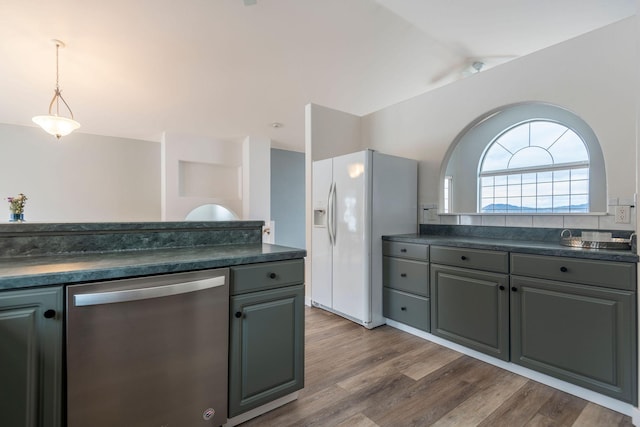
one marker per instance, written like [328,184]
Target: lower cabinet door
[31,357]
[581,334]
[266,349]
[471,308]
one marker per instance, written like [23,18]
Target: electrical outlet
[623,214]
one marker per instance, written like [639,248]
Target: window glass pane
[545,203]
[487,180]
[580,203]
[544,134]
[561,203]
[580,187]
[496,158]
[514,179]
[501,180]
[513,204]
[569,148]
[582,173]
[500,201]
[515,139]
[545,176]
[487,205]
[561,188]
[487,192]
[529,190]
[514,190]
[545,189]
[528,178]
[562,175]
[529,204]
[530,156]
[500,191]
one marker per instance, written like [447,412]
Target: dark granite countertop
[34,271]
[520,246]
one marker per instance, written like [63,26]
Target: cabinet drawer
[618,275]
[406,250]
[268,275]
[471,258]
[405,308]
[406,275]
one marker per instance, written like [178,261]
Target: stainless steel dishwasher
[148,351]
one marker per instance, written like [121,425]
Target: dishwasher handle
[99,298]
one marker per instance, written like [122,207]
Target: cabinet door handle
[49,314]
[564,269]
[403,308]
[272,275]
[403,274]
[501,288]
[238,314]
[514,289]
[464,258]
[403,250]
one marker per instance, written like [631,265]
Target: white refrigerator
[357,198]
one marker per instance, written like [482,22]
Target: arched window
[526,158]
[538,166]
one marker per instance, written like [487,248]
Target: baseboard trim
[590,395]
[635,417]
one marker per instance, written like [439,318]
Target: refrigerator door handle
[333,214]
[330,214]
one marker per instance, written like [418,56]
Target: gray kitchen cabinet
[31,357]
[266,341]
[405,280]
[580,333]
[471,307]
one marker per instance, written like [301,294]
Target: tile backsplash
[576,221]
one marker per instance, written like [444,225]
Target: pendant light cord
[58,95]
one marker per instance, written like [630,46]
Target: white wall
[256,162]
[198,171]
[79,178]
[593,75]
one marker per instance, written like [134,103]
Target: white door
[351,250]
[321,268]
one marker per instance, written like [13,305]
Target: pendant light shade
[53,123]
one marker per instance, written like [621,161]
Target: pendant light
[55,124]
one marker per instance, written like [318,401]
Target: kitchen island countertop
[35,255]
[33,271]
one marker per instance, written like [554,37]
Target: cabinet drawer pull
[403,308]
[238,314]
[501,288]
[403,274]
[403,250]
[464,258]
[514,289]
[272,275]
[49,314]
[564,269]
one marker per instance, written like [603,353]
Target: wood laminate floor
[386,377]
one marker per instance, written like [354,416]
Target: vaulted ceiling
[221,69]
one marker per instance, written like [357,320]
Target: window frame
[462,160]
[540,168]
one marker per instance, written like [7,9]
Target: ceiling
[218,68]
